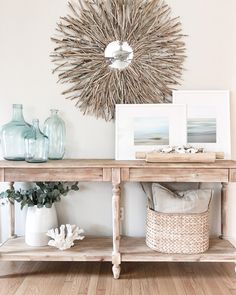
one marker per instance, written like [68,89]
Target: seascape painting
[151,131]
[201,130]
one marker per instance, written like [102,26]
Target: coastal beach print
[151,131]
[201,130]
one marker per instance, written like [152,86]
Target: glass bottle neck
[35,125]
[17,113]
[54,112]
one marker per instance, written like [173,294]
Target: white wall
[25,77]
[231,205]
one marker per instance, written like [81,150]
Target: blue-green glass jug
[54,129]
[12,135]
[36,145]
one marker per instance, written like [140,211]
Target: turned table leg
[116,196]
[224,191]
[11,216]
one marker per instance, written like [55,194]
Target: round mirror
[118,54]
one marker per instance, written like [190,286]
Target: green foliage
[43,194]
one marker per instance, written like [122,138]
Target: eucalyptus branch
[43,194]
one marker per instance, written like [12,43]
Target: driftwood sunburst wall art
[118,52]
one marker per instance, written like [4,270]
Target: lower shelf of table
[100,249]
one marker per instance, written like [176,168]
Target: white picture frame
[208,119]
[146,127]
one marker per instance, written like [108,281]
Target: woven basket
[177,233]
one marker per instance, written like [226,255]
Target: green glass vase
[54,129]
[36,145]
[12,135]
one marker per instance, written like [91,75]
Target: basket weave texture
[177,233]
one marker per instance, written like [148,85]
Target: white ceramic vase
[38,222]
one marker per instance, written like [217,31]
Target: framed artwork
[146,127]
[208,119]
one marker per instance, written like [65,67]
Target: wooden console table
[115,249]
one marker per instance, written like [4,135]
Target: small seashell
[201,150]
[180,151]
[192,151]
[167,149]
[188,146]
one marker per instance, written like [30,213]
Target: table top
[110,163]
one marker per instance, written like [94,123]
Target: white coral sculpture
[65,238]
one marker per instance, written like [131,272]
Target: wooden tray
[155,157]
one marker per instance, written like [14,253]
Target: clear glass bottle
[54,128]
[12,135]
[36,145]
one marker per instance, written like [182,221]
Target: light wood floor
[70,278]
